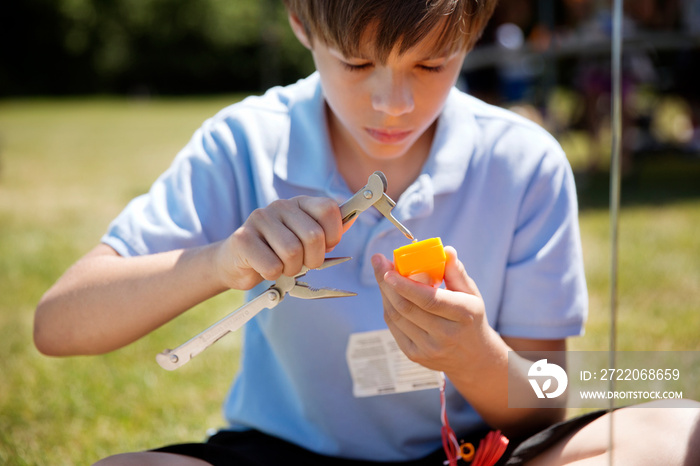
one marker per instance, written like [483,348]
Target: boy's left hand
[441,329]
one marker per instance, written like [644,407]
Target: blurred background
[548,58]
[551,60]
[147,47]
[97,96]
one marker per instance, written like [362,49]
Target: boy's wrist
[491,364]
[221,277]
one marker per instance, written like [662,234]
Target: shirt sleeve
[191,204]
[545,292]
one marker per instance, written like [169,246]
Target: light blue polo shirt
[495,186]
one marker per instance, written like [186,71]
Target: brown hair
[397,24]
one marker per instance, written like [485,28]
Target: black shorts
[253,448]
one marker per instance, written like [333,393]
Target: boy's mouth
[388,136]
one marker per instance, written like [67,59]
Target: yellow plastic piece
[422,261]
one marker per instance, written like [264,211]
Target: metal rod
[615,176]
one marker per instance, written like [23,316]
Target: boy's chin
[387,152]
[387,156]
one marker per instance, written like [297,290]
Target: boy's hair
[399,24]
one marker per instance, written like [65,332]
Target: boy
[255,195]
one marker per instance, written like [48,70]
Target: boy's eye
[356,67]
[432,69]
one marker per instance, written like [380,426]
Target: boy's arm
[446,330]
[489,390]
[106,301]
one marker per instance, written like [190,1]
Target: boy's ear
[299,30]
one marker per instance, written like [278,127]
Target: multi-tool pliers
[372,194]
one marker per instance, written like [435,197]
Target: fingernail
[390,278]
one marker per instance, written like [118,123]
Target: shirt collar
[453,145]
[307,159]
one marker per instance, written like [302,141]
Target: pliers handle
[372,194]
[173,359]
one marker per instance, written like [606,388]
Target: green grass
[67,167]
[658,278]
[658,295]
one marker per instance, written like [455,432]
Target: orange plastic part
[423,261]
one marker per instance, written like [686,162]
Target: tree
[147,46]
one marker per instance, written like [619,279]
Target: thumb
[381,266]
[456,277]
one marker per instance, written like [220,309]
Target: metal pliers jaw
[299,289]
[373,194]
[172,359]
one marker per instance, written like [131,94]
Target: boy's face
[383,109]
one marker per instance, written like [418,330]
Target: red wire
[491,447]
[449,439]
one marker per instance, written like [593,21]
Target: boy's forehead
[429,47]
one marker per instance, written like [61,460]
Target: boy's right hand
[278,240]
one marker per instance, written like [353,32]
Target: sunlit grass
[658,278]
[67,167]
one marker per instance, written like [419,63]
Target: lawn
[67,167]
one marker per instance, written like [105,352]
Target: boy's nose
[392,93]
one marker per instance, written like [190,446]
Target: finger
[326,213]
[382,266]
[399,310]
[410,336]
[279,238]
[390,299]
[310,234]
[258,255]
[432,301]
[266,261]
[456,277]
